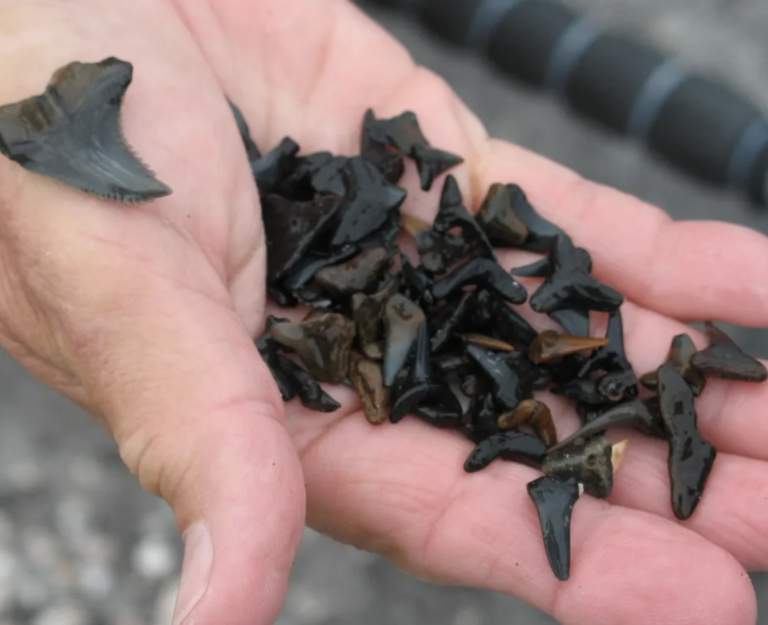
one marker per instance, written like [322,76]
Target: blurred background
[82,544]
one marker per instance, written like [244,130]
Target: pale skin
[145,316]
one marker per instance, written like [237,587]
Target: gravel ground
[82,544]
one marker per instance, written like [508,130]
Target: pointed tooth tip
[617,454]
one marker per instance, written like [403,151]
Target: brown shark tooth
[488,342]
[535,413]
[368,381]
[360,274]
[368,313]
[551,346]
[323,343]
[724,359]
[71,133]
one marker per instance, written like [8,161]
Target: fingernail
[195,571]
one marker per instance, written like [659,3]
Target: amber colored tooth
[535,413]
[414,225]
[487,341]
[617,454]
[551,345]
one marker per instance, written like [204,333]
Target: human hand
[145,316]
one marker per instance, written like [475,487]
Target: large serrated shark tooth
[71,133]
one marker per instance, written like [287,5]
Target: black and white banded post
[695,123]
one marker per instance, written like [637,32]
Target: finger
[731,512]
[688,270]
[401,490]
[136,314]
[198,420]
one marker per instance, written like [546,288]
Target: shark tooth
[72,133]
[554,500]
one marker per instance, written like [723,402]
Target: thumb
[196,417]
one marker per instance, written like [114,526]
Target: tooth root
[617,454]
[550,345]
[71,133]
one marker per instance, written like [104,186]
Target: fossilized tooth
[251,150]
[570,286]
[481,272]
[401,132]
[389,162]
[358,275]
[611,357]
[497,217]
[457,319]
[368,381]
[384,236]
[488,342]
[551,346]
[509,326]
[725,359]
[507,446]
[573,321]
[540,231]
[565,370]
[532,377]
[453,214]
[583,391]
[368,313]
[270,170]
[290,228]
[402,320]
[690,456]
[628,414]
[589,412]
[543,268]
[483,418]
[323,344]
[305,269]
[369,203]
[590,464]
[420,389]
[472,385]
[417,284]
[486,306]
[507,387]
[679,356]
[268,352]
[618,385]
[433,163]
[452,363]
[404,134]
[308,389]
[438,252]
[537,415]
[72,133]
[554,500]
[320,173]
[657,429]
[438,417]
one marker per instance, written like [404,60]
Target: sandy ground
[82,544]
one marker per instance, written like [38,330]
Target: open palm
[145,316]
